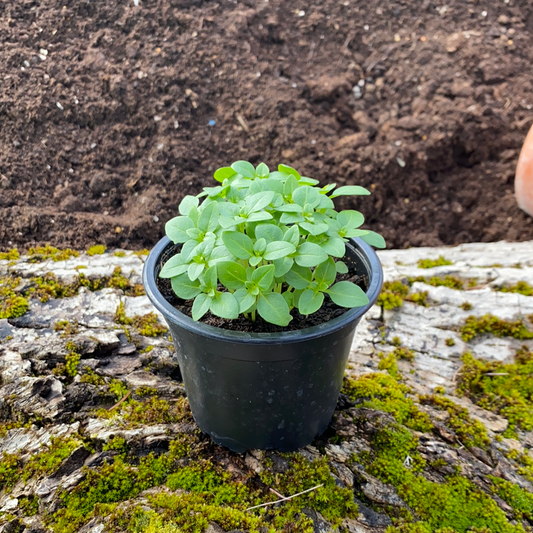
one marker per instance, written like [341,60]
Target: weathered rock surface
[77,384]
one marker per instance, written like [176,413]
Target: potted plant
[260,281]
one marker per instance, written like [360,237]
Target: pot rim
[366,253]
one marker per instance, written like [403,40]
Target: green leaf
[184,287]
[194,270]
[328,188]
[176,229]
[325,202]
[289,208]
[274,309]
[210,278]
[262,170]
[263,277]
[290,186]
[289,170]
[310,302]
[350,190]
[308,181]
[334,246]
[341,267]
[310,255]
[299,277]
[374,239]
[244,169]
[244,299]
[347,294]
[258,201]
[260,246]
[282,266]
[326,272]
[225,305]
[292,235]
[239,244]
[260,216]
[278,249]
[200,306]
[208,220]
[187,204]
[350,219]
[269,232]
[314,229]
[255,260]
[224,173]
[173,267]
[306,195]
[291,218]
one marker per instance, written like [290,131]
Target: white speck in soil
[26,63]
[357,92]
[361,83]
[71,171]
[400,162]
[157,118]
[484,13]
[60,106]
[301,13]
[398,143]
[156,218]
[293,85]
[313,141]
[366,27]
[176,124]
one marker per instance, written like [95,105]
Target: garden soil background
[110,113]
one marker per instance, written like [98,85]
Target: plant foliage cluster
[264,242]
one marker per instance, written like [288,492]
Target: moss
[141,253]
[146,391]
[42,253]
[12,305]
[10,255]
[119,253]
[470,432]
[48,461]
[90,376]
[396,341]
[466,306]
[117,444]
[456,505]
[67,327]
[506,389]
[521,287]
[419,298]
[392,294]
[118,389]
[432,263]
[520,500]
[29,505]
[475,326]
[382,391]
[147,325]
[452,282]
[450,342]
[97,249]
[70,367]
[10,467]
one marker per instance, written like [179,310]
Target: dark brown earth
[102,135]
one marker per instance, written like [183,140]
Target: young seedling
[264,242]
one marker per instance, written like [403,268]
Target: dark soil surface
[110,113]
[327,312]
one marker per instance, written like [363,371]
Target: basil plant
[264,242]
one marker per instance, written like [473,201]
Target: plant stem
[253,315]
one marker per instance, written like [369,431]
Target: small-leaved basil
[264,242]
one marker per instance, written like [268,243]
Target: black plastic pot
[263,390]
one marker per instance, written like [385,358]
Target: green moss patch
[384,392]
[470,432]
[147,325]
[12,305]
[489,324]
[43,253]
[432,263]
[506,389]
[10,255]
[202,492]
[97,249]
[521,287]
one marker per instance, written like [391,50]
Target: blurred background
[111,112]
